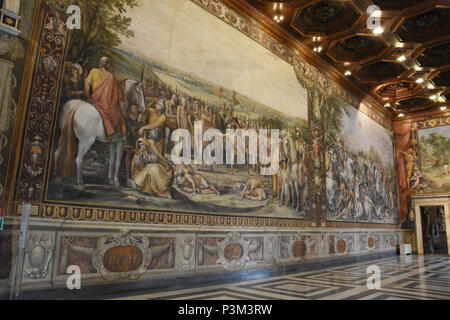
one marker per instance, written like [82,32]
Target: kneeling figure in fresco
[151,172]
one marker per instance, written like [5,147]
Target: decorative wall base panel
[109,253]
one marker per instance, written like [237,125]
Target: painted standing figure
[82,123]
[100,88]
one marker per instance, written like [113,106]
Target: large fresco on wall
[361,180]
[434,176]
[126,88]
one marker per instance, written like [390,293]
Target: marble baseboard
[130,256]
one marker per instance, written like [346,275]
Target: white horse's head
[138,96]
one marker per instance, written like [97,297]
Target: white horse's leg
[83,148]
[281,192]
[56,158]
[58,180]
[292,192]
[286,193]
[292,183]
[119,152]
[112,156]
[297,191]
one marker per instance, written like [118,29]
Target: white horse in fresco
[88,128]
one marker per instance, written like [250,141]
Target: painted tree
[320,92]
[102,24]
[440,146]
[335,109]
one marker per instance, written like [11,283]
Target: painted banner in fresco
[361,180]
[159,69]
[434,176]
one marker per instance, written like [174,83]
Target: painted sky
[184,36]
[360,132]
[444,131]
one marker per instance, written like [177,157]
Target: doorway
[434,230]
[433,201]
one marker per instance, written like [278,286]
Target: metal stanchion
[20,255]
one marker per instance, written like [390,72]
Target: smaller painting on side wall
[434,146]
[361,180]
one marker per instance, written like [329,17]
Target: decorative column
[6,86]
[9,17]
[9,20]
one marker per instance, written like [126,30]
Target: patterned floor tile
[402,278]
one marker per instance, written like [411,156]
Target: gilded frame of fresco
[37,117]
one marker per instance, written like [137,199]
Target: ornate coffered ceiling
[419,30]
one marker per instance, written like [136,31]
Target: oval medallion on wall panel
[233,251]
[122,256]
[38,255]
[370,242]
[122,259]
[299,249]
[392,241]
[341,246]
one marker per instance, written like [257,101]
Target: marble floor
[402,278]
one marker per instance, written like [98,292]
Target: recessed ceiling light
[400,45]
[348,73]
[430,86]
[420,80]
[433,97]
[376,14]
[278,15]
[401,115]
[401,58]
[443,108]
[387,105]
[378,30]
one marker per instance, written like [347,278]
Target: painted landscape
[434,146]
[162,89]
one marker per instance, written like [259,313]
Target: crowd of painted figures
[358,188]
[149,145]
